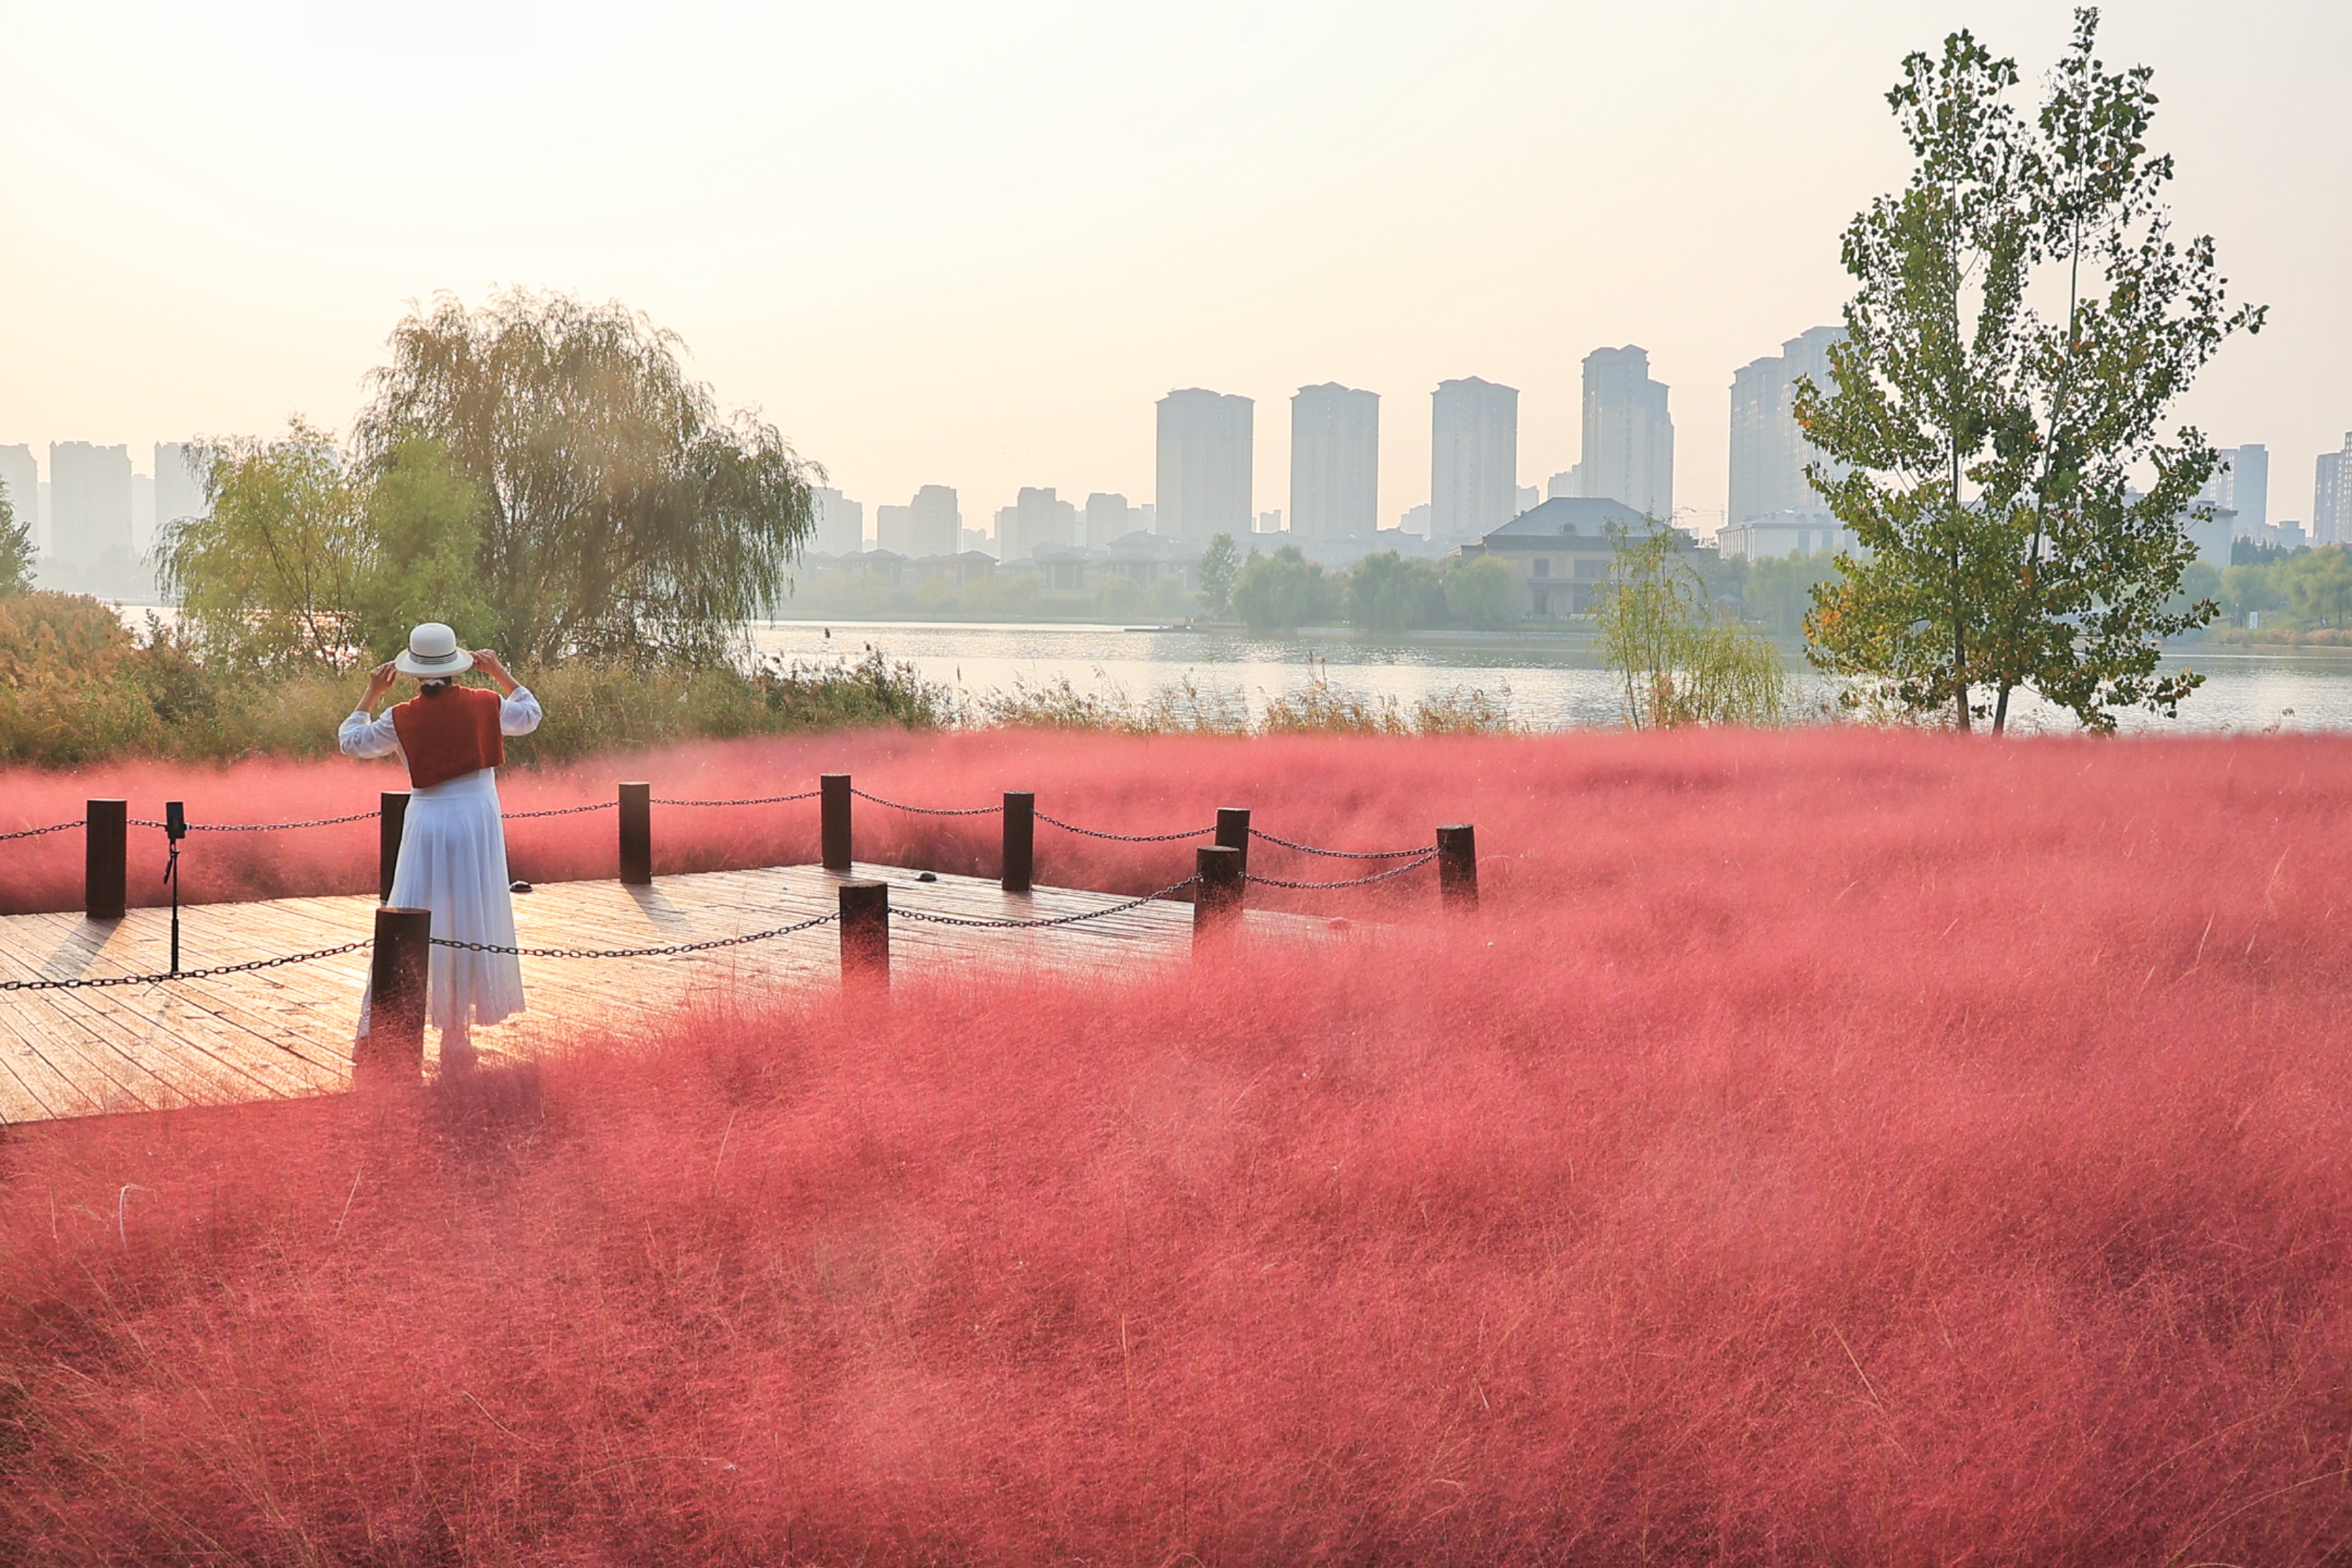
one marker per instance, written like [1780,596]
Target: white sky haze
[972,245]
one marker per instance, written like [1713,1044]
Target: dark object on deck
[833,834]
[1457,865]
[927,876]
[392,1050]
[638,835]
[391,817]
[1217,908]
[1233,831]
[517,886]
[106,830]
[1020,840]
[865,933]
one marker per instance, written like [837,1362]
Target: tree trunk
[2000,709]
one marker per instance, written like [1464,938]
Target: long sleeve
[361,736]
[518,714]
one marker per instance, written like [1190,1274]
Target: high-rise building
[2242,484]
[1206,450]
[90,501]
[1566,485]
[928,525]
[1108,517]
[179,488]
[1335,461]
[20,476]
[1474,457]
[840,522]
[1415,521]
[1270,521]
[1769,452]
[1629,437]
[2330,521]
[1036,516]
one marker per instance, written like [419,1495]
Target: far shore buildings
[1474,457]
[2331,517]
[928,525]
[840,522]
[89,502]
[1335,462]
[1206,450]
[1629,435]
[1560,552]
[1773,508]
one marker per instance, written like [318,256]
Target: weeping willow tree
[622,516]
[1683,660]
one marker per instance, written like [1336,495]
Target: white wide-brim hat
[433,652]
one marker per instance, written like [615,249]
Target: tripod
[175,828]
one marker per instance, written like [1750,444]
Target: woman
[453,849]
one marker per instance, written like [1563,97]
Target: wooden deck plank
[289,1031]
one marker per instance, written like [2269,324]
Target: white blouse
[361,736]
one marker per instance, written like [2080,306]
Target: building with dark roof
[1560,552]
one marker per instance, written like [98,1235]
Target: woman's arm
[362,734]
[518,712]
[379,681]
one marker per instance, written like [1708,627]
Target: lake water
[1553,681]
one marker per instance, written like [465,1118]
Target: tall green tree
[1220,562]
[268,576]
[16,548]
[1387,593]
[2006,474]
[421,520]
[1284,590]
[620,515]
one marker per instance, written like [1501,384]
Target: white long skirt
[453,861]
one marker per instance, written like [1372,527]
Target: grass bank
[1830,1147]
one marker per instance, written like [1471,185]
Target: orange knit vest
[449,736]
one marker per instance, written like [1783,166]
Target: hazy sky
[972,245]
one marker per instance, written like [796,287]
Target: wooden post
[1217,902]
[392,815]
[834,834]
[392,1050]
[105,841]
[1233,831]
[1457,865]
[1020,840]
[865,933]
[638,835]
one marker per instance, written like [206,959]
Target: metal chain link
[1341,853]
[929,918]
[1353,882]
[636,952]
[562,810]
[758,800]
[259,826]
[36,832]
[1123,837]
[929,810]
[94,981]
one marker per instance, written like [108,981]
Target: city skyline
[1024,270]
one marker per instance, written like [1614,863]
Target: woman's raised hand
[379,681]
[489,664]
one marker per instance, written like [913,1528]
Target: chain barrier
[36,832]
[562,810]
[929,918]
[1427,855]
[1341,853]
[760,800]
[259,826]
[703,946]
[1123,837]
[91,982]
[928,810]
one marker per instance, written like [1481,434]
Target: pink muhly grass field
[1825,1146]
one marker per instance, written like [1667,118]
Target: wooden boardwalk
[288,1031]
